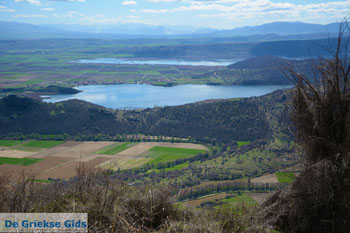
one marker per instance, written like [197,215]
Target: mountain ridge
[16,30]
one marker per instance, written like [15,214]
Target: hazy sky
[202,13]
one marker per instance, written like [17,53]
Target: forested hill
[264,70]
[222,121]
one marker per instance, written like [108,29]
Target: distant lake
[131,96]
[155,62]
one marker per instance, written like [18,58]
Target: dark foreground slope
[218,121]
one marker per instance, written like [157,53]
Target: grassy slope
[18,161]
[42,144]
[285,177]
[9,143]
[116,148]
[165,154]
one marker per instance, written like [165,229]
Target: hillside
[263,70]
[281,28]
[265,32]
[219,121]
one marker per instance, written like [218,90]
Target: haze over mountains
[276,30]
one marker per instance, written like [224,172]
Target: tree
[319,200]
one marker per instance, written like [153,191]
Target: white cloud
[73,14]
[47,9]
[31,16]
[101,19]
[238,10]
[32,2]
[5,9]
[157,1]
[127,3]
[68,0]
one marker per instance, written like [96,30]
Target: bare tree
[319,200]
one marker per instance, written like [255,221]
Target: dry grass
[115,207]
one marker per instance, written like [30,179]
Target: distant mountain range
[281,28]
[15,30]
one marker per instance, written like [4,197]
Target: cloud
[238,10]
[127,3]
[157,1]
[31,16]
[32,2]
[47,9]
[73,14]
[68,0]
[5,9]
[101,19]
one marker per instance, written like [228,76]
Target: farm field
[42,144]
[116,148]
[160,154]
[60,160]
[223,199]
[22,71]
[7,143]
[285,177]
[152,153]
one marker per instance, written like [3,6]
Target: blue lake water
[130,96]
[155,62]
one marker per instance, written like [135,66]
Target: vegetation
[285,177]
[9,142]
[262,70]
[318,199]
[42,144]
[160,154]
[18,161]
[114,206]
[239,198]
[116,148]
[242,143]
[248,119]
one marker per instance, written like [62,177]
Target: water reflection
[146,96]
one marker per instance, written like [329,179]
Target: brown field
[52,151]
[219,182]
[14,171]
[69,169]
[199,201]
[259,197]
[295,169]
[16,154]
[124,162]
[270,178]
[138,149]
[83,149]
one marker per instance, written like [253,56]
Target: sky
[220,14]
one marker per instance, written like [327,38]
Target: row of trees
[195,192]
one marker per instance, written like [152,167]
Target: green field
[285,177]
[42,144]
[18,161]
[9,142]
[242,143]
[239,198]
[160,154]
[176,167]
[116,148]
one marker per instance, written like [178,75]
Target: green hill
[219,121]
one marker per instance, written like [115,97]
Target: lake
[155,62]
[131,96]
